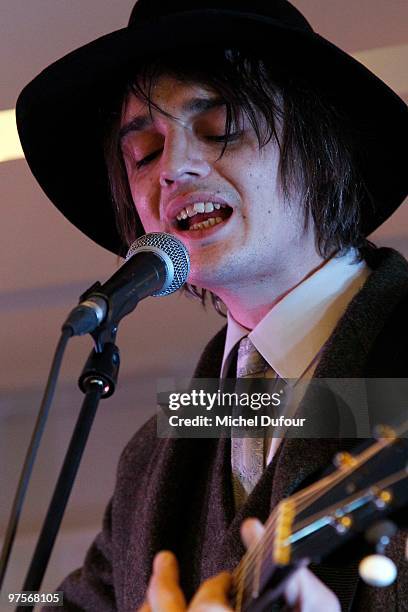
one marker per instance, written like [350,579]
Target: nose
[182,159]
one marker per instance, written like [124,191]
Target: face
[227,209]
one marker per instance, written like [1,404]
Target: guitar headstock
[364,487]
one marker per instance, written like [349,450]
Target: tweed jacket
[176,493]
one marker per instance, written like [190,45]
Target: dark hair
[317,151]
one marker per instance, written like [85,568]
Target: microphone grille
[172,248]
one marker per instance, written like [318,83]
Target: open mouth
[202,216]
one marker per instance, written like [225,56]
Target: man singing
[271,155]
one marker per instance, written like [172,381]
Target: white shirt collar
[290,336]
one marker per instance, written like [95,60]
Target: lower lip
[200,234]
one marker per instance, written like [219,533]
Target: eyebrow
[195,106]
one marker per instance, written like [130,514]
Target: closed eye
[146,160]
[224,138]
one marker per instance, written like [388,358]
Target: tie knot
[249,362]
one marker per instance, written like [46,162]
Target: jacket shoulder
[388,357]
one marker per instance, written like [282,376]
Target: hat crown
[280,10]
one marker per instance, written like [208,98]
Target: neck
[249,304]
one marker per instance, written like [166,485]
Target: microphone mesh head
[171,247]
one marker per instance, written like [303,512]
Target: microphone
[156,264]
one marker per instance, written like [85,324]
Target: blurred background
[46,264]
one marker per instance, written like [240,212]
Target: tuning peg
[384,431]
[344,460]
[378,570]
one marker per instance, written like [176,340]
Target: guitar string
[358,459]
[306,494]
[240,573]
[248,560]
[254,551]
[311,493]
[331,480]
[392,479]
[312,490]
[302,497]
[244,583]
[343,472]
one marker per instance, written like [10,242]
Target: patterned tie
[247,454]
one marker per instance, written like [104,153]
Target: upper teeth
[198,207]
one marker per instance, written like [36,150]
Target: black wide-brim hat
[57,113]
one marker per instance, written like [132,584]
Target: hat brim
[57,113]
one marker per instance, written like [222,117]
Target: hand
[303,592]
[164,593]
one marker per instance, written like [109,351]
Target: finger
[308,594]
[212,596]
[251,531]
[165,566]
[164,593]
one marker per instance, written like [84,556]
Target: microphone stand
[98,380]
[99,376]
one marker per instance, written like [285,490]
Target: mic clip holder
[101,369]
[102,365]
[106,332]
